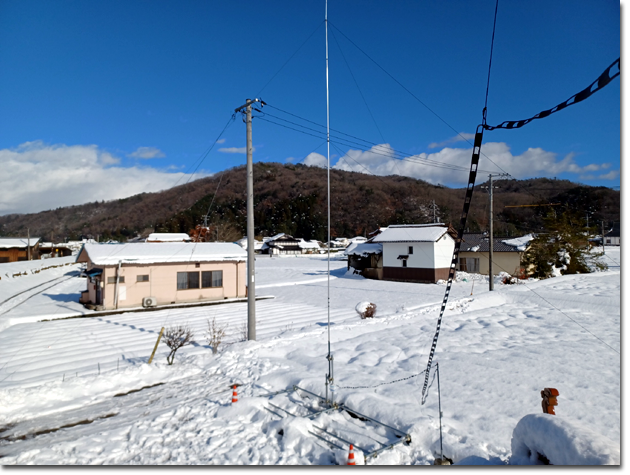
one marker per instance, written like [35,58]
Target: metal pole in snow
[437,366]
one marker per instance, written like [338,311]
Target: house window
[410,250]
[112,280]
[211,278]
[142,278]
[197,264]
[608,241]
[187,280]
[4,259]
[469,264]
[404,262]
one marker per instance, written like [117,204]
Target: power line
[290,58]
[415,97]
[357,85]
[351,143]
[494,26]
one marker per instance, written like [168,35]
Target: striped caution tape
[602,81]
[462,225]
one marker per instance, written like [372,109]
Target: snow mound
[562,442]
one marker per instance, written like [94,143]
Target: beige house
[151,274]
[474,255]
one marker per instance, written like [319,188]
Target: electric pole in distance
[251,289]
[490,187]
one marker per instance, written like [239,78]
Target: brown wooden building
[17,249]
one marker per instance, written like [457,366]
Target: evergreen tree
[564,247]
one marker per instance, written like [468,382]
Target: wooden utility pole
[251,289]
[28,244]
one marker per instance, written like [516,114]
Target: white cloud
[221,141]
[39,177]
[534,162]
[314,159]
[147,152]
[236,149]
[458,138]
[611,175]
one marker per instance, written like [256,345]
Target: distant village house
[168,237]
[149,274]
[416,252]
[19,249]
[474,255]
[284,244]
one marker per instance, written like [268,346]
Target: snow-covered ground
[496,352]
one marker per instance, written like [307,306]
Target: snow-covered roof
[148,253]
[243,243]
[364,248]
[412,233]
[277,236]
[519,243]
[168,237]
[7,243]
[480,242]
[308,244]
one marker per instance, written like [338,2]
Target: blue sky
[106,99]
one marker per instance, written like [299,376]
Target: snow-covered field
[62,381]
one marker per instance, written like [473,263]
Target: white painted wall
[423,254]
[444,248]
[426,255]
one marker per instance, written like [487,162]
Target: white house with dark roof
[416,252]
[126,275]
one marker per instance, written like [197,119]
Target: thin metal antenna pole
[491,241]
[329,376]
[437,366]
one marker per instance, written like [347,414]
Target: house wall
[429,262]
[15,254]
[509,262]
[162,283]
[423,254]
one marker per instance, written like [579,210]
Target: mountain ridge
[292,198]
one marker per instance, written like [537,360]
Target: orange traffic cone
[351,456]
[234,398]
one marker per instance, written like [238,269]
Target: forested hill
[292,199]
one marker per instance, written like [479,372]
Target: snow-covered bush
[366,309]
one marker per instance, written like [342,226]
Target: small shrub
[175,337]
[215,335]
[366,309]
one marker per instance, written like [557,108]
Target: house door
[99,293]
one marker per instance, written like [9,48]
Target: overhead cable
[602,81]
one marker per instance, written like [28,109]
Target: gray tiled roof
[472,240]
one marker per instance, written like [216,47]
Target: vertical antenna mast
[329,376]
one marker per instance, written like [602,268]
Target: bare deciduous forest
[292,199]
